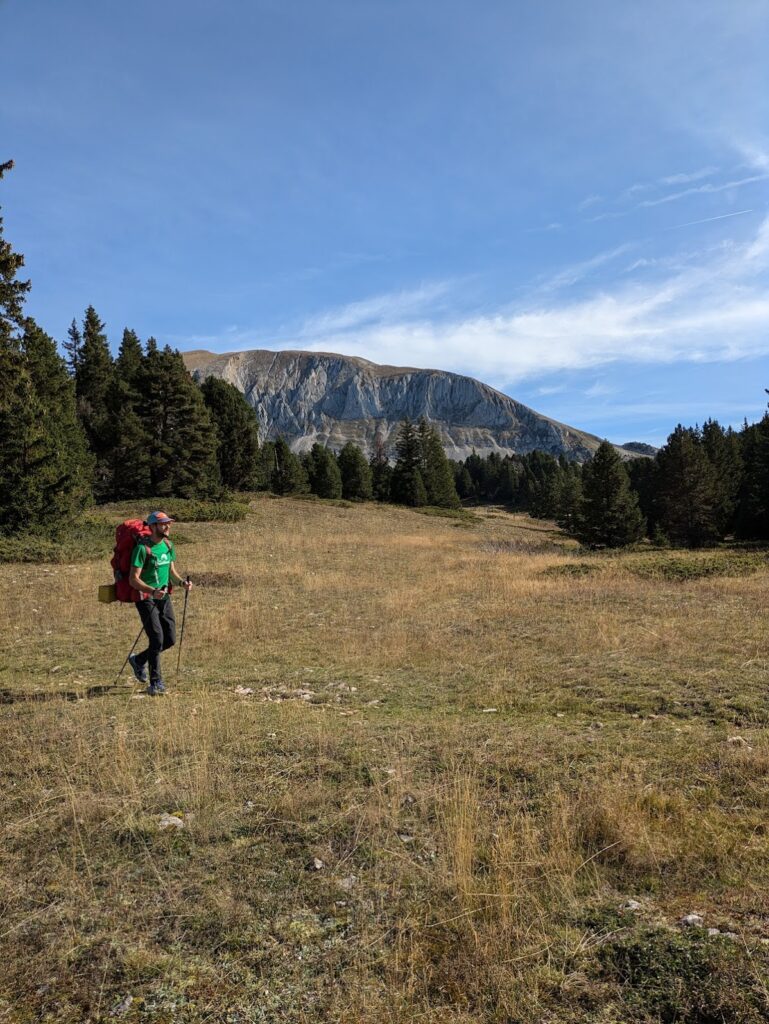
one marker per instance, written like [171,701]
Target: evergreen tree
[356,474]
[35,486]
[65,468]
[609,513]
[435,469]
[74,348]
[322,472]
[686,490]
[92,383]
[722,448]
[407,486]
[265,464]
[381,471]
[569,502]
[643,480]
[127,433]
[752,513]
[288,475]
[182,438]
[238,434]
[463,481]
[540,491]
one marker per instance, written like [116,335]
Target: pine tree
[357,484]
[407,486]
[323,472]
[92,382]
[66,467]
[127,435]
[381,471]
[436,472]
[643,481]
[752,513]
[35,487]
[609,513]
[74,348]
[237,428]
[288,475]
[569,502]
[182,438]
[686,490]
[722,448]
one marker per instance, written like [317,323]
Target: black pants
[160,626]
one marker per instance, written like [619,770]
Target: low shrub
[681,568]
[686,977]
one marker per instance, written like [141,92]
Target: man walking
[152,569]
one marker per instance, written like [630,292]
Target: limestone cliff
[317,396]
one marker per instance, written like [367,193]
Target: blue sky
[567,201]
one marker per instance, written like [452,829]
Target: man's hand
[187,584]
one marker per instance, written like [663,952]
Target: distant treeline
[705,484]
[88,426]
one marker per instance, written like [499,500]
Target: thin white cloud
[708,188]
[718,309]
[379,309]
[714,309]
[686,179]
[588,202]
[577,271]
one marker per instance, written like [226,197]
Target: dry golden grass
[490,756]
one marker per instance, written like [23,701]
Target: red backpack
[127,536]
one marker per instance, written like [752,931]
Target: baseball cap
[159,517]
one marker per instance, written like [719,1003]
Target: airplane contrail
[707,220]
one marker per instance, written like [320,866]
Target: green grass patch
[572,569]
[460,514]
[687,977]
[696,566]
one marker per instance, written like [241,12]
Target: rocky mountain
[317,396]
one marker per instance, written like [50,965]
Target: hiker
[152,569]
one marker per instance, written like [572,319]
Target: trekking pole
[181,637]
[136,641]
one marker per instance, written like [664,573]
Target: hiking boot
[140,671]
[157,688]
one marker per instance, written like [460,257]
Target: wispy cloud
[380,309]
[708,188]
[578,271]
[713,309]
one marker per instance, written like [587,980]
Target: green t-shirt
[155,563]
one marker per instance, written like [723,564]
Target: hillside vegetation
[425,769]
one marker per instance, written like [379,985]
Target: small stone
[170,821]
[243,691]
[560,714]
[739,741]
[714,931]
[596,725]
[316,864]
[348,883]
[692,920]
[405,838]
[409,799]
[122,1007]
[632,905]
[488,711]
[56,668]
[249,805]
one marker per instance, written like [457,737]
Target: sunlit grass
[487,753]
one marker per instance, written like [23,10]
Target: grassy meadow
[430,769]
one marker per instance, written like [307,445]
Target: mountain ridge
[331,398]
